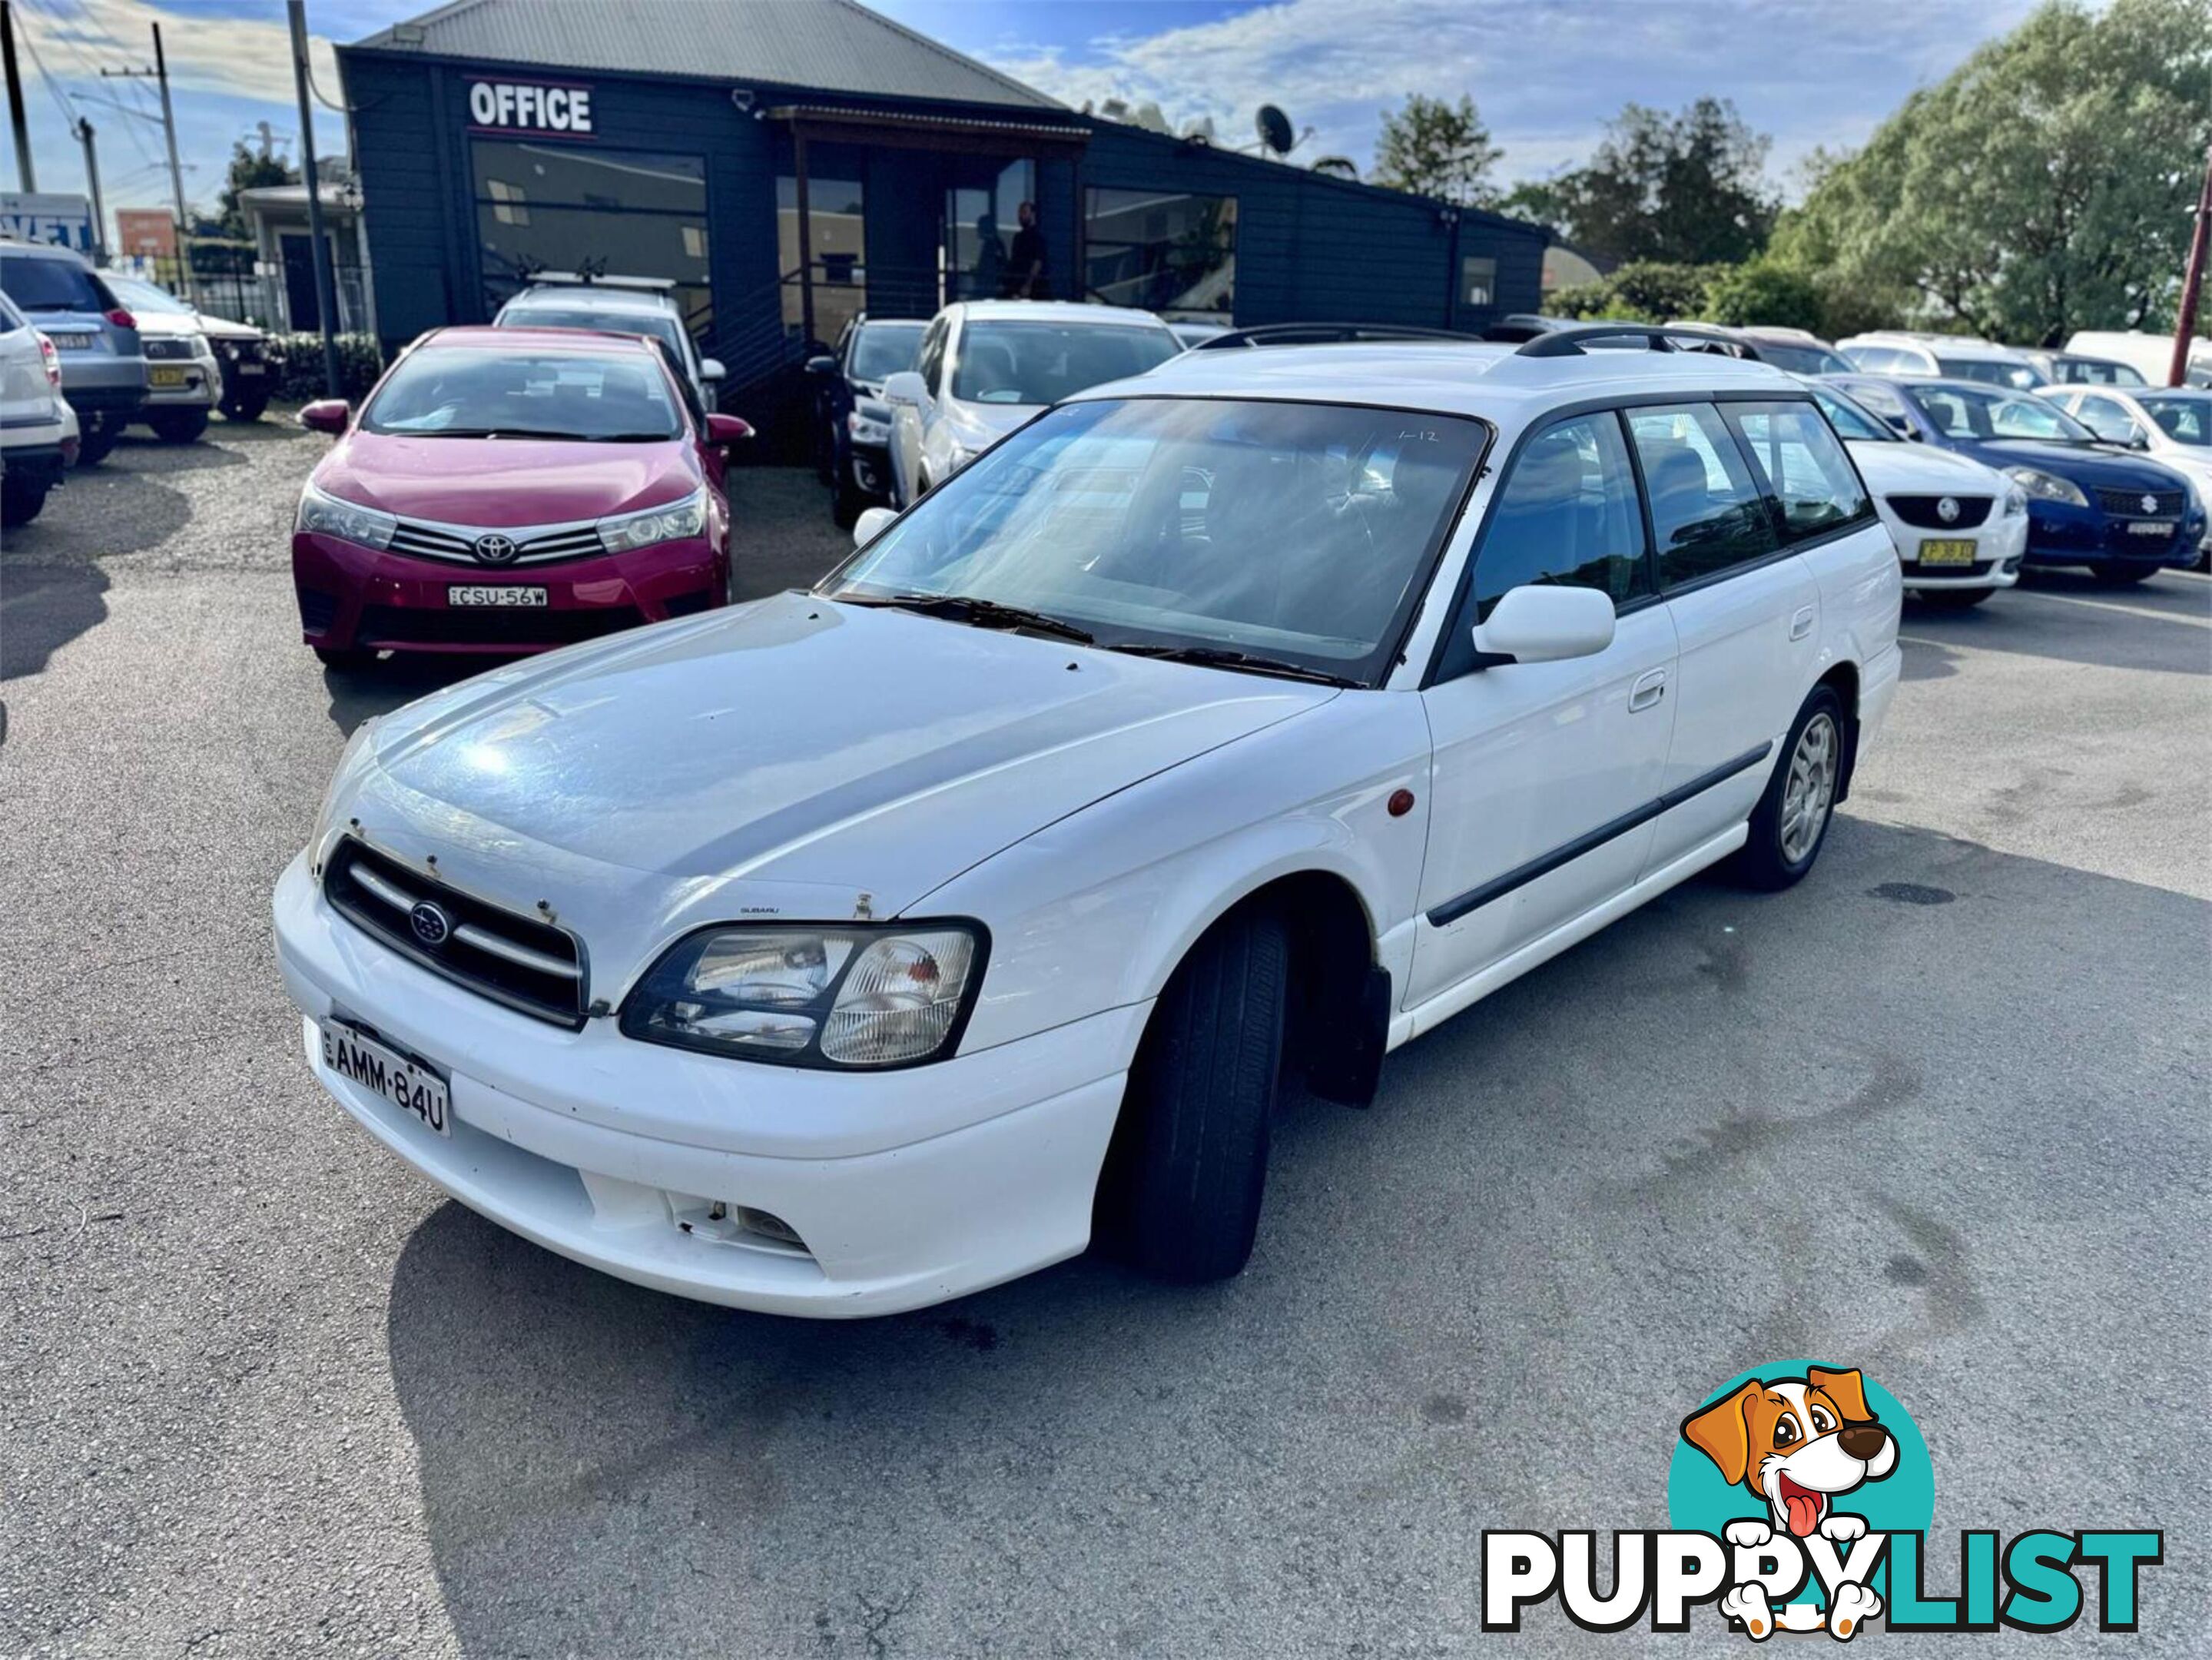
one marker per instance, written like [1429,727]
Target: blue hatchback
[2088,502]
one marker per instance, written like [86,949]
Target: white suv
[643,306]
[37,429]
[1252,717]
[1945,356]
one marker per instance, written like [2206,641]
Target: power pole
[18,118]
[2192,283]
[159,74]
[92,178]
[325,296]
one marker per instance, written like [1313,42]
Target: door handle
[1801,624]
[1647,691]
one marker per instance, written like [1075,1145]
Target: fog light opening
[769,1226]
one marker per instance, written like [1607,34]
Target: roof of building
[834,45]
[1475,378]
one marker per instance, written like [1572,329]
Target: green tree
[2045,186]
[249,170]
[1684,189]
[1436,149]
[1765,291]
[1643,291]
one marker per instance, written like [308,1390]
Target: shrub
[299,365]
[1762,292]
[1643,290]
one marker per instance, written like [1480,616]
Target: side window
[1884,402]
[2106,419]
[1706,512]
[1565,515]
[1802,464]
[1874,359]
[931,361]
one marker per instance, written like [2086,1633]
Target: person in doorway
[990,275]
[1025,272]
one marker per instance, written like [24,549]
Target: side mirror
[328,415]
[870,524]
[906,387]
[711,370]
[1545,625]
[723,431]
[823,365]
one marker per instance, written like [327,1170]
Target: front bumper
[871,470]
[2061,534]
[1999,546]
[614,1153]
[356,597]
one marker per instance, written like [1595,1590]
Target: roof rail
[1568,343]
[1325,334]
[589,279]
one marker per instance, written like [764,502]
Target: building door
[301,305]
[983,197]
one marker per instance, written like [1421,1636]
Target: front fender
[1095,911]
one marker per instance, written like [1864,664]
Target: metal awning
[974,135]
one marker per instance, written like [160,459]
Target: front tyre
[245,406]
[347,660]
[178,426]
[1179,1197]
[1791,820]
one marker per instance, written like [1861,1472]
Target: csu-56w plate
[409,1085]
[494,594]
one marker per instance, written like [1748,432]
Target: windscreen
[1025,363]
[1963,412]
[1990,371]
[1300,532]
[661,328]
[39,285]
[884,349]
[1803,359]
[141,295]
[2185,420]
[467,392]
[1849,420]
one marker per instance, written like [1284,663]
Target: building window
[836,231]
[1161,251]
[1478,281]
[569,207]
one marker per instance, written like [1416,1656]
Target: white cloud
[207,52]
[1545,75]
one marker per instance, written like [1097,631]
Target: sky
[1547,74]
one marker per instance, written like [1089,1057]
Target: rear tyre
[346,660]
[1179,1197]
[1790,822]
[1953,599]
[22,500]
[96,436]
[2123,575]
[178,426]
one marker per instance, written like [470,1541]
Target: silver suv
[103,365]
[617,305]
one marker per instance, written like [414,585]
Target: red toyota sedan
[508,491]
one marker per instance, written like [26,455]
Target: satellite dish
[1274,129]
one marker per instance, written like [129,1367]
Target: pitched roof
[834,44]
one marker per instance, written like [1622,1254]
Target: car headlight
[349,521]
[668,524]
[2046,487]
[867,426]
[2015,502]
[814,995]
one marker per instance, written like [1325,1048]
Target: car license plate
[2152,527]
[494,595]
[71,342]
[409,1085]
[1936,550]
[165,375]
[250,368]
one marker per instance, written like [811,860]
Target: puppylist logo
[1800,1499]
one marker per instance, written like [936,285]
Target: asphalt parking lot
[1941,1112]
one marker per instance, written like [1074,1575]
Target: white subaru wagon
[857,948]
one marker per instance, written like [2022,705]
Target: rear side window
[1707,513]
[1803,465]
[1566,514]
[1874,360]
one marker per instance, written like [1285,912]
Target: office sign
[44,216]
[531,107]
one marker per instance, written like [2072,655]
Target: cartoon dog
[1798,1444]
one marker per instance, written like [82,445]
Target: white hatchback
[855,949]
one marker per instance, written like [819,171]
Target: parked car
[37,429]
[246,362]
[2172,425]
[852,424]
[103,366]
[1521,325]
[1193,332]
[2151,355]
[1939,355]
[852,950]
[986,366]
[1798,350]
[2073,368]
[622,305]
[507,490]
[2089,503]
[183,383]
[1960,527]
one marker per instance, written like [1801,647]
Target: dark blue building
[789,164]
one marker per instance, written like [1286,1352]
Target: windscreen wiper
[1223,657]
[983,613]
